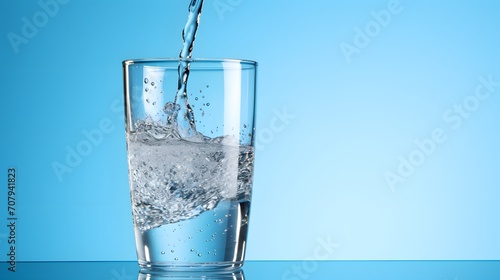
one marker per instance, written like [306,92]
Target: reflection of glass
[191,161]
[162,275]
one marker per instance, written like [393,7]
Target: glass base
[214,267]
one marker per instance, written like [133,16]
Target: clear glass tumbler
[190,146]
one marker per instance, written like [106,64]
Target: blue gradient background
[329,129]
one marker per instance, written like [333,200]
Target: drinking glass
[190,147]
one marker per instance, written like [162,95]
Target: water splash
[185,116]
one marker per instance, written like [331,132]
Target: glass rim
[128,62]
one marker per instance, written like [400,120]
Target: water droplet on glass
[208,86]
[208,104]
[192,250]
[171,251]
[146,80]
[146,89]
[154,103]
[153,84]
[196,98]
[176,259]
[199,255]
[162,252]
[201,230]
